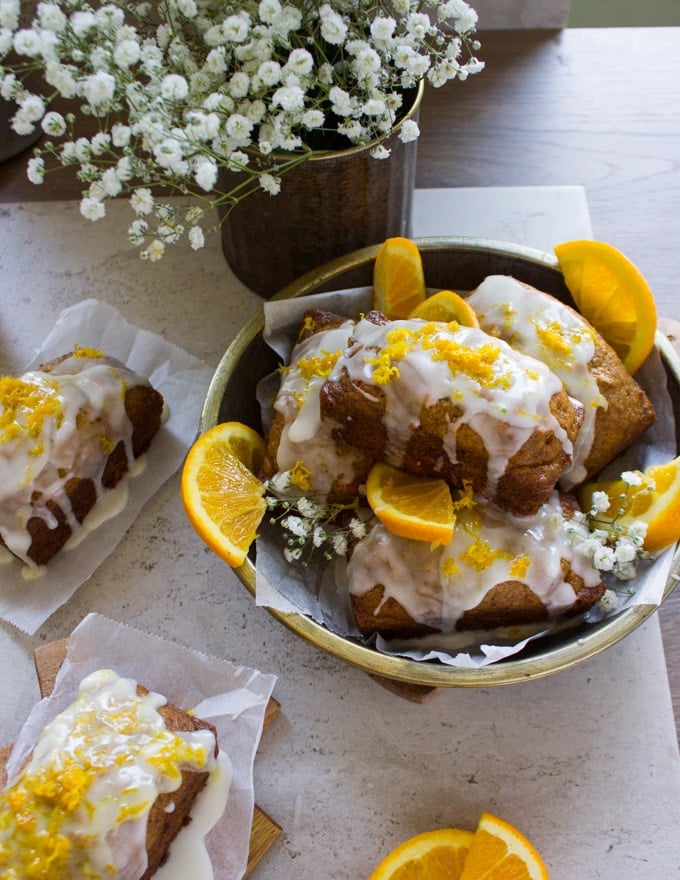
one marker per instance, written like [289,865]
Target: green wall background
[624,13]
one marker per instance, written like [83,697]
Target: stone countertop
[585,762]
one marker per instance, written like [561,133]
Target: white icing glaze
[503,395]
[65,423]
[541,326]
[436,585]
[188,854]
[91,780]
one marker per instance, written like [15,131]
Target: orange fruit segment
[655,501]
[412,507]
[222,496]
[435,855]
[398,278]
[499,851]
[446,306]
[612,294]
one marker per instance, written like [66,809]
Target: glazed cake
[70,433]
[432,399]
[107,787]
[616,411]
[497,571]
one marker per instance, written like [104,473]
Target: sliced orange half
[222,496]
[655,501]
[499,851]
[412,507]
[612,294]
[446,306]
[398,278]
[435,855]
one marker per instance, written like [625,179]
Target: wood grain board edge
[48,660]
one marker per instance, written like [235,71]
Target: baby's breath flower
[196,238]
[184,90]
[92,209]
[36,170]
[631,478]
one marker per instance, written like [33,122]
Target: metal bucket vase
[328,206]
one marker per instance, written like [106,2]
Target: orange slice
[446,306]
[611,293]
[500,852]
[436,855]
[412,507]
[223,499]
[655,501]
[398,278]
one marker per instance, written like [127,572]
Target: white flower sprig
[311,524]
[215,99]
[612,546]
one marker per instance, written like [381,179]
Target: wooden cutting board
[48,659]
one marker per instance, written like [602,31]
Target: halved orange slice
[446,306]
[435,855]
[412,507]
[398,278]
[612,294]
[223,499]
[500,852]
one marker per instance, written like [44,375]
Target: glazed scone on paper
[71,433]
[616,411]
[109,785]
[432,399]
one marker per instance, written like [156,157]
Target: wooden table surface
[596,107]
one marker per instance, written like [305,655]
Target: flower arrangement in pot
[217,100]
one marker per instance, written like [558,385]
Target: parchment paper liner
[233,698]
[318,591]
[182,379]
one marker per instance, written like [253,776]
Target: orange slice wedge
[223,499]
[398,278]
[655,500]
[500,852]
[437,855]
[611,293]
[446,306]
[412,507]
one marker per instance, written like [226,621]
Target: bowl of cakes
[465,481]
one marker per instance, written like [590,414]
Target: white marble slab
[585,762]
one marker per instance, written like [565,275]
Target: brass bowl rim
[589,643]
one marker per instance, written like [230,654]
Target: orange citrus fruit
[499,851]
[611,293]
[446,306]
[398,278]
[436,855]
[655,501]
[413,507]
[222,497]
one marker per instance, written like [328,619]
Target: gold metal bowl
[461,264]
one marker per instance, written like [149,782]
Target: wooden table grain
[594,107]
